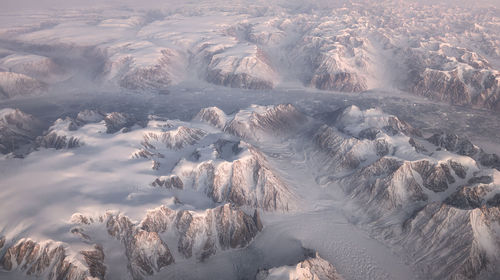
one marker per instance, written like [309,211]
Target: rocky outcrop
[238,80]
[146,252]
[199,234]
[260,121]
[385,186]
[312,268]
[468,197]
[436,177]
[213,116]
[248,180]
[462,146]
[341,81]
[116,121]
[338,151]
[173,139]
[168,182]
[468,247]
[50,260]
[480,88]
[454,143]
[95,261]
[52,140]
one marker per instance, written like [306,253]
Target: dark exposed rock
[247,181]
[39,259]
[480,180]
[222,227]
[467,197]
[341,81]
[95,262]
[458,168]
[430,222]
[418,148]
[52,140]
[435,177]
[387,184]
[494,201]
[212,115]
[369,133]
[238,80]
[274,120]
[473,87]
[382,147]
[169,182]
[116,121]
[454,143]
[489,160]
[463,146]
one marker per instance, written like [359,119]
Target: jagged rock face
[458,168]
[270,120]
[469,240]
[50,260]
[314,268]
[213,116]
[338,150]
[468,197]
[454,143]
[248,180]
[463,146]
[159,219]
[95,261]
[467,87]
[168,182]
[237,80]
[14,84]
[342,81]
[174,139]
[481,179]
[2,242]
[200,234]
[489,160]
[435,177]
[116,121]
[16,129]
[147,253]
[52,140]
[386,185]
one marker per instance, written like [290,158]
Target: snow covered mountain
[219,140]
[448,54]
[212,179]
